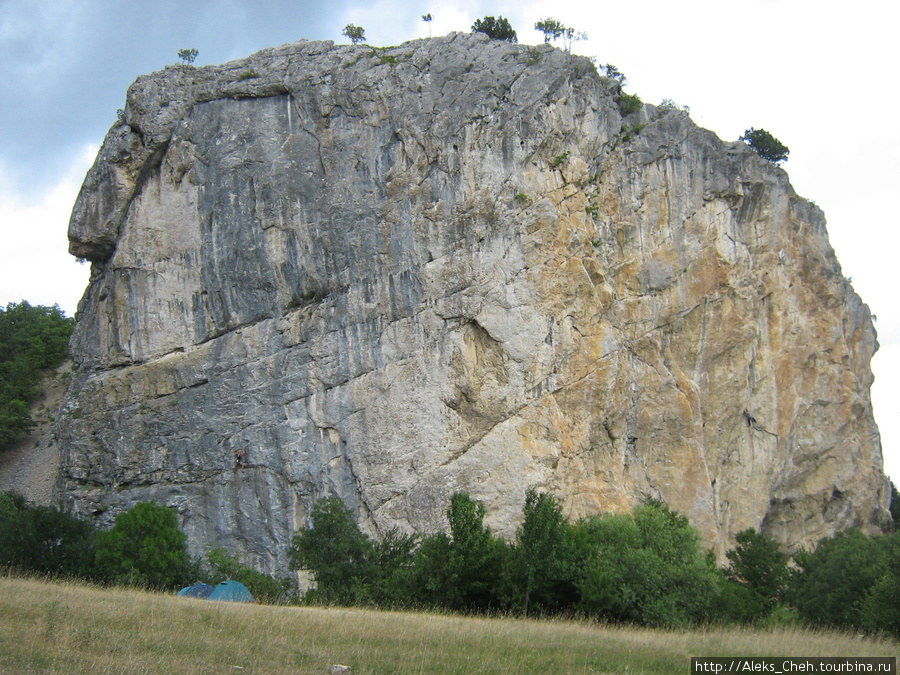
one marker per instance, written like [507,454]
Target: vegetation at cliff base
[32,340]
[44,540]
[144,548]
[644,568]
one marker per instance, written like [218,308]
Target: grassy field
[69,628]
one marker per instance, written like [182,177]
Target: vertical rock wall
[453,265]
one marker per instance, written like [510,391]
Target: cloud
[34,257]
[68,63]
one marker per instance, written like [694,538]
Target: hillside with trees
[32,341]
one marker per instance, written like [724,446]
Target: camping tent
[198,590]
[232,591]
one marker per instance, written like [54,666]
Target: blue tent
[198,590]
[231,591]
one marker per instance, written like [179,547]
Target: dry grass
[69,628]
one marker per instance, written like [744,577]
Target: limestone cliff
[454,265]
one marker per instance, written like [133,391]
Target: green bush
[645,568]
[393,558]
[880,611]
[895,506]
[145,547]
[43,539]
[496,29]
[265,588]
[629,104]
[829,586]
[335,551]
[766,145]
[559,159]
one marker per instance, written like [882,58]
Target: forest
[32,341]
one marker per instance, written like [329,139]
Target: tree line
[647,567]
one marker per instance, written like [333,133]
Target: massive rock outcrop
[454,265]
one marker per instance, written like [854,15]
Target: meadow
[61,627]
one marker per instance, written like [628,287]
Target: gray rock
[394,274]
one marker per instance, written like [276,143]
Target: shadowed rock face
[453,265]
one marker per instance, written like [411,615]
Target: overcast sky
[822,77]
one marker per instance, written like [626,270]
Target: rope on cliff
[756,426]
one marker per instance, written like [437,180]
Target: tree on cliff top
[496,29]
[355,33]
[188,55]
[553,29]
[766,145]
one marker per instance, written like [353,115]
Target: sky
[821,77]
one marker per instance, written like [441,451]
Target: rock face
[454,265]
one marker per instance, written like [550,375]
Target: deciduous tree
[829,585]
[552,29]
[542,573]
[645,568]
[187,56]
[463,570]
[335,550]
[267,589]
[144,547]
[43,539]
[355,33]
[758,562]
